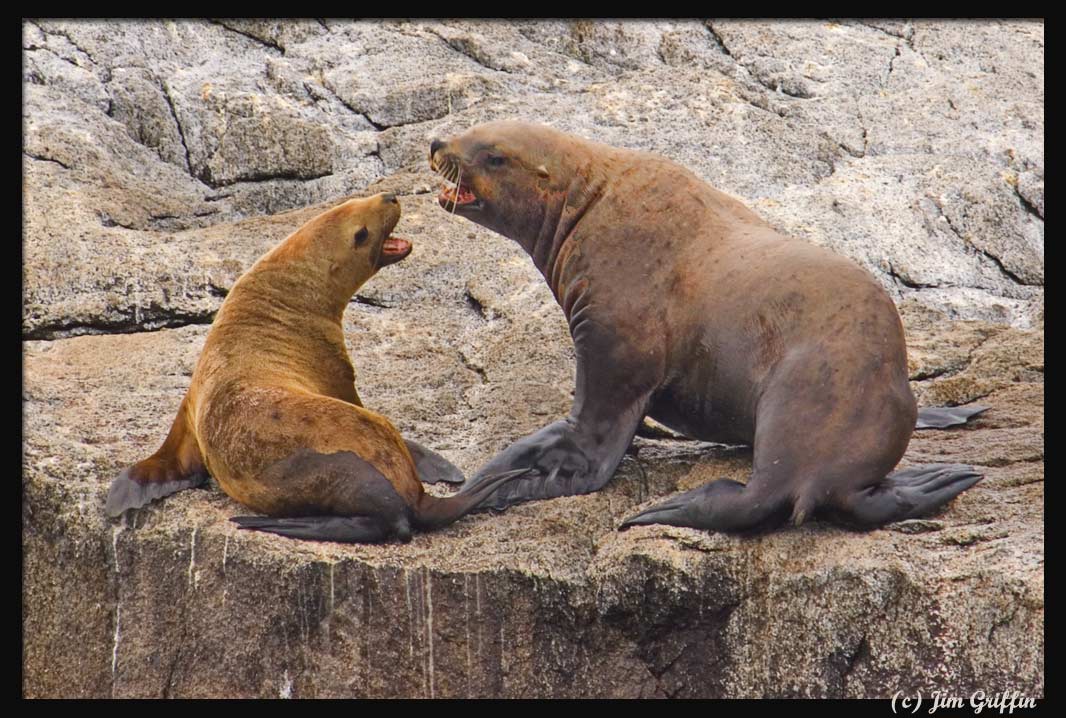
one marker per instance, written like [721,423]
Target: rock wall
[161,158]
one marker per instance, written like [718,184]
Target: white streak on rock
[429,628]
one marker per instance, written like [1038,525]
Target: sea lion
[687,307]
[272,412]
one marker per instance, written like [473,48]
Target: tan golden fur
[274,376]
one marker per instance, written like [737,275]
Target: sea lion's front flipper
[343,529]
[176,466]
[723,505]
[941,417]
[566,458]
[431,466]
[579,454]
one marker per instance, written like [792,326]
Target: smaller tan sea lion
[272,412]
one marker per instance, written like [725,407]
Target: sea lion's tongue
[393,249]
[460,197]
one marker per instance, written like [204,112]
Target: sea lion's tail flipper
[433,512]
[343,529]
[176,466]
[941,417]
[907,494]
[431,466]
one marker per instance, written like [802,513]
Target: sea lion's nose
[434,146]
[389,197]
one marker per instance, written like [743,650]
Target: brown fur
[687,307]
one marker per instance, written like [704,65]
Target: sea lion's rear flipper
[726,505]
[907,494]
[941,417]
[176,466]
[343,529]
[129,493]
[433,512]
[431,466]
[330,497]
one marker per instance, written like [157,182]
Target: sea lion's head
[505,174]
[348,244]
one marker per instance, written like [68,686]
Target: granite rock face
[914,148]
[162,158]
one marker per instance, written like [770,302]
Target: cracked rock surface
[161,158]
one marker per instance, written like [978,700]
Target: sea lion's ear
[542,171]
[360,237]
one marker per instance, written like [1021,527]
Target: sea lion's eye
[495,160]
[361,236]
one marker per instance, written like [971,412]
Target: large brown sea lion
[687,307]
[272,412]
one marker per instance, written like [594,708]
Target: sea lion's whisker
[450,178]
[458,189]
[446,171]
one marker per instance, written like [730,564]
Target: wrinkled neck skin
[561,214]
[543,219]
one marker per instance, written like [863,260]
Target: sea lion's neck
[562,214]
[291,292]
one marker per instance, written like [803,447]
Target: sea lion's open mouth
[457,196]
[454,194]
[393,249]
